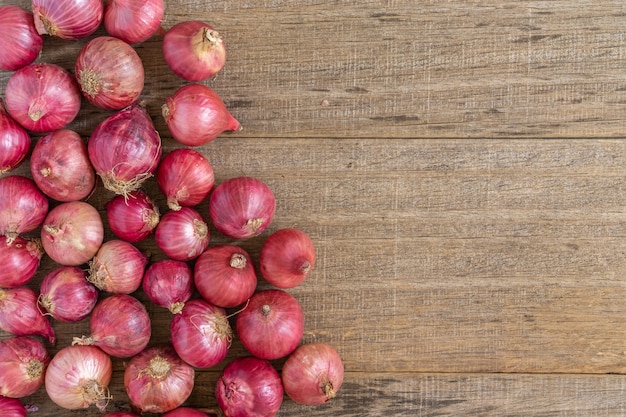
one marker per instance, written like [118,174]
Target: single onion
[125,149]
[185,177]
[272,325]
[188,412]
[118,267]
[79,376]
[134,217]
[60,166]
[195,115]
[225,276]
[20,316]
[14,141]
[23,207]
[23,362]
[133,21]
[119,325]
[20,261]
[249,386]
[66,294]
[201,334]
[182,235]
[12,407]
[313,374]
[72,233]
[194,50]
[287,258]
[20,43]
[42,97]
[109,72]
[242,207]
[67,19]
[168,284]
[157,380]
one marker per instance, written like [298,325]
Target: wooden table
[459,167]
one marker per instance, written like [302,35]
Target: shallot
[23,362]
[14,142]
[23,207]
[20,43]
[67,19]
[20,316]
[66,295]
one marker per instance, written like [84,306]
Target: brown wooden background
[459,165]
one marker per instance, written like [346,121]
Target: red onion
[60,166]
[168,284]
[72,233]
[20,261]
[23,362]
[287,258]
[20,43]
[313,374]
[157,380]
[20,316]
[185,177]
[134,217]
[67,19]
[195,115]
[117,267]
[249,386]
[225,276]
[125,149]
[194,50]
[14,141]
[12,407]
[182,235]
[242,207]
[79,376]
[119,325]
[23,207]
[109,72]
[272,325]
[42,97]
[188,412]
[133,21]
[66,295]
[201,334]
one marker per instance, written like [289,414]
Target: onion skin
[132,218]
[23,362]
[60,166]
[313,374]
[182,235]
[12,407]
[23,207]
[249,386]
[20,261]
[66,295]
[188,412]
[168,284]
[14,141]
[67,19]
[109,72]
[118,267]
[287,258]
[133,21]
[20,316]
[20,43]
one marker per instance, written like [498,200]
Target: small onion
[242,207]
[72,233]
[67,19]
[194,50]
[66,295]
[79,376]
[133,21]
[185,177]
[188,412]
[157,380]
[287,258]
[182,235]
[118,267]
[42,97]
[23,207]
[14,141]
[20,316]
[12,407]
[60,166]
[23,362]
[168,284]
[20,261]
[195,115]
[20,43]
[132,218]
[249,386]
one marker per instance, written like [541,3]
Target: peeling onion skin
[67,19]
[14,142]
[20,43]
[23,362]
[133,21]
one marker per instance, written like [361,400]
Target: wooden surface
[458,165]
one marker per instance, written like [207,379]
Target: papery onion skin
[20,43]
[157,380]
[313,374]
[188,412]
[185,177]
[12,407]
[132,218]
[72,233]
[109,72]
[133,21]
[118,267]
[182,235]
[169,284]
[287,258]
[194,50]
[196,115]
[201,334]
[242,207]
[67,19]
[20,316]
[23,362]
[249,386]
[20,261]
[225,275]
[66,294]
[78,377]
[60,166]
[23,207]
[42,97]
[14,142]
